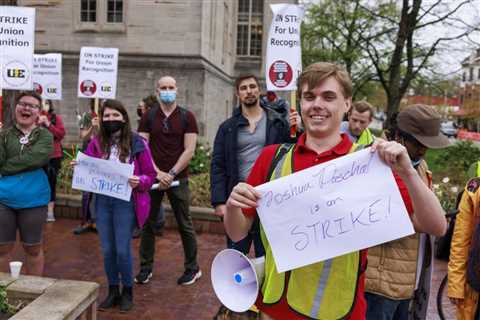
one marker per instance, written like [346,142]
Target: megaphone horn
[236,279]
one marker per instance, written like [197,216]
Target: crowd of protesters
[395,282]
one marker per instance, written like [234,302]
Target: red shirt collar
[343,147]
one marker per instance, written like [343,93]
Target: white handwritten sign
[331,209]
[103,177]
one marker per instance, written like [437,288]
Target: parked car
[449,129]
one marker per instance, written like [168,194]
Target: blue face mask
[167,96]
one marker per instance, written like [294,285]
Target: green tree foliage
[382,40]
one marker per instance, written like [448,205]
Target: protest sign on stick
[97,73]
[284,51]
[103,177]
[327,210]
[47,75]
[17,41]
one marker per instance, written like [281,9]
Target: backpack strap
[152,113]
[183,116]
[279,154]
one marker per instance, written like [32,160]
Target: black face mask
[139,113]
[112,126]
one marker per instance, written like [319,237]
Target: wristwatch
[172,172]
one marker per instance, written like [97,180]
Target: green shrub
[200,189]
[200,162]
[456,160]
[449,167]
[5,307]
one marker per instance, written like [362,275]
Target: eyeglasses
[166,126]
[27,105]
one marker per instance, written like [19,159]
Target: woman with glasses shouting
[24,189]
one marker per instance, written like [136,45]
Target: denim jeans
[253,236]
[115,222]
[382,308]
[179,198]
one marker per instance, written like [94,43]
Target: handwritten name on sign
[102,176]
[331,209]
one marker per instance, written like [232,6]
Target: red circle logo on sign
[37,87]
[88,87]
[280,74]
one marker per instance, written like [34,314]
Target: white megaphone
[236,279]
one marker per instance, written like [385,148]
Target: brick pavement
[79,258]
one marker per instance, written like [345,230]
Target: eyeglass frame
[30,106]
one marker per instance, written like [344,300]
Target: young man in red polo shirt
[325,91]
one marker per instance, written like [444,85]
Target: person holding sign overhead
[331,289]
[24,189]
[116,218]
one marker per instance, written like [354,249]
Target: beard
[250,102]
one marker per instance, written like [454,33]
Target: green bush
[200,162]
[457,159]
[449,167]
[5,307]
[200,189]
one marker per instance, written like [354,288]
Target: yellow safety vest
[366,137]
[478,168]
[323,290]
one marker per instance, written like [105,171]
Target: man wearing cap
[392,280]
[360,116]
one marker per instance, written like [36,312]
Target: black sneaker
[84,229]
[143,276]
[189,277]
[137,232]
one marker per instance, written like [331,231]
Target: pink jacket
[143,168]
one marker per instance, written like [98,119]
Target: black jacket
[224,166]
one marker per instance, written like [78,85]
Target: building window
[250,28]
[470,78]
[88,11]
[115,11]
[478,73]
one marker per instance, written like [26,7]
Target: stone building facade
[204,44]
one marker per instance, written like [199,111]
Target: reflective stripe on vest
[323,290]
[365,138]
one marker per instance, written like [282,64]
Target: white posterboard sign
[284,52]
[17,41]
[102,176]
[47,75]
[331,209]
[97,73]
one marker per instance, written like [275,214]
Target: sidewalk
[79,258]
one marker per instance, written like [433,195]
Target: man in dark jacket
[238,142]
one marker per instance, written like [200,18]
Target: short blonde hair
[318,72]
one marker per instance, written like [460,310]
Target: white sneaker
[50,217]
